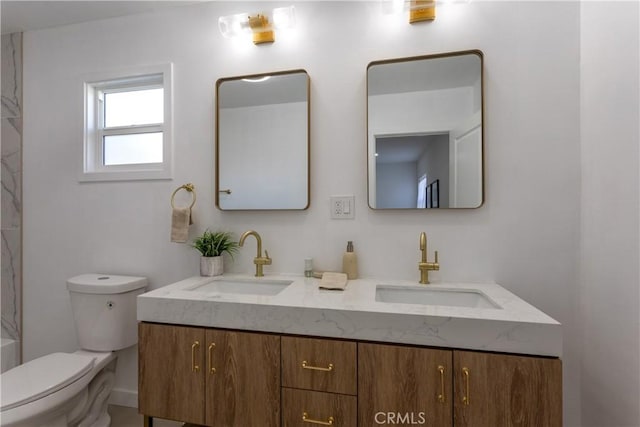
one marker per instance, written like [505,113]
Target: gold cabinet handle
[194,364]
[212,370]
[317,368]
[465,398]
[306,419]
[441,398]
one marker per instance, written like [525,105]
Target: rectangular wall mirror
[262,141]
[424,132]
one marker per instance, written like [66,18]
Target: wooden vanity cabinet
[405,385]
[319,380]
[506,390]
[208,376]
[170,383]
[243,379]
[302,408]
[227,378]
[319,364]
[402,385]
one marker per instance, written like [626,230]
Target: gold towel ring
[190,188]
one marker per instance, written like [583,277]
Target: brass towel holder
[188,187]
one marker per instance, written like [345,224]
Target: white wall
[525,237]
[396,185]
[609,249]
[418,112]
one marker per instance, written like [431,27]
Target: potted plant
[211,246]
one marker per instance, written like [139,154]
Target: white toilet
[72,389]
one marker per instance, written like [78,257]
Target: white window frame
[94,87]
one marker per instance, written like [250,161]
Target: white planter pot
[211,266]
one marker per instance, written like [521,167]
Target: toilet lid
[41,377]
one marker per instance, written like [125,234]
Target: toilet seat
[41,377]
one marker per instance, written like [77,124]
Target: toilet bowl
[72,389]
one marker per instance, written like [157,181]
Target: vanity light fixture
[261,25]
[422,10]
[419,10]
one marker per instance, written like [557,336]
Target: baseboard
[123,397]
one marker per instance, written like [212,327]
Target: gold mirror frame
[223,191]
[371,144]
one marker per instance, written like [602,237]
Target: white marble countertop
[304,309]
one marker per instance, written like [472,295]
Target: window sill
[133,175]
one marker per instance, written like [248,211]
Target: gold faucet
[423,265]
[259,260]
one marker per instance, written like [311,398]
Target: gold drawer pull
[194,348]
[306,419]
[465,398]
[212,370]
[317,368]
[441,395]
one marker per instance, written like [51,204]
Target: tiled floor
[121,416]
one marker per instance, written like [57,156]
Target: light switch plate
[342,207]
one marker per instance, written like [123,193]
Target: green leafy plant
[212,244]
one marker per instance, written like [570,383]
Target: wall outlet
[342,207]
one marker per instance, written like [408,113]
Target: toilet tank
[104,310]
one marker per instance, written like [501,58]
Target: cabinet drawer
[305,408]
[319,364]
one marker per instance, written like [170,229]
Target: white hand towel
[180,220]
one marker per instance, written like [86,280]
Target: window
[422,192]
[127,125]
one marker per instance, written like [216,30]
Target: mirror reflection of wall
[262,142]
[425,120]
[406,165]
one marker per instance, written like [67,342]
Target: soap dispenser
[350,262]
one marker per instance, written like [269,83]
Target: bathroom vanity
[243,351]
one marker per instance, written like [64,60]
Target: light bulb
[284,17]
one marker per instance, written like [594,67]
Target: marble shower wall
[11,185]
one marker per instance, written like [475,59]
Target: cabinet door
[170,380]
[507,390]
[404,385]
[302,408]
[319,364]
[243,379]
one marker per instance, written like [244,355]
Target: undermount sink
[242,286]
[434,296]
